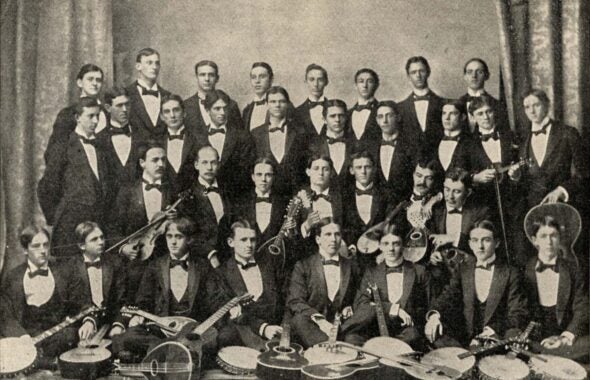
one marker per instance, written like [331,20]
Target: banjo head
[557,368]
[238,360]
[500,367]
[22,356]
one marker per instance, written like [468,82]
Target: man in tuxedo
[335,143]
[146,95]
[234,145]
[102,278]
[404,290]
[180,144]
[557,293]
[242,273]
[77,183]
[455,146]
[209,205]
[392,155]
[366,200]
[310,112]
[322,285]
[421,111]
[475,74]
[89,80]
[197,118]
[261,76]
[362,125]
[176,284]
[484,298]
[282,138]
[36,296]
[120,140]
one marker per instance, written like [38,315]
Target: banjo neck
[68,321]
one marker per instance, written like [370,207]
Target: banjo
[19,354]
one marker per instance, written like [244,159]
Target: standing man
[77,184]
[146,95]
[421,111]
[197,116]
[454,148]
[362,125]
[310,112]
[261,76]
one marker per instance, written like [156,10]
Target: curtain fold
[44,43]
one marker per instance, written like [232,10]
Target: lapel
[291,134]
[466,218]
[228,144]
[139,201]
[80,156]
[164,277]
[317,271]
[499,280]
[344,280]
[208,208]
[194,277]
[234,277]
[414,117]
[107,279]
[430,112]
[381,281]
[468,285]
[440,217]
[505,148]
[265,139]
[395,160]
[375,203]
[408,283]
[563,289]
[552,143]
[248,115]
[336,202]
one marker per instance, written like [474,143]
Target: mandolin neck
[55,329]
[285,341]
[209,322]
[159,321]
[383,331]
[334,330]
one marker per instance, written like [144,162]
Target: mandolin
[90,360]
[416,242]
[282,360]
[328,352]
[276,245]
[355,369]
[167,361]
[18,355]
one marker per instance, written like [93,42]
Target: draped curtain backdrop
[44,43]
[545,44]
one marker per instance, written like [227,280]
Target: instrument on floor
[551,367]
[519,342]
[19,354]
[369,241]
[276,245]
[357,369]
[90,360]
[449,357]
[170,326]
[167,361]
[238,360]
[416,242]
[329,352]
[502,367]
[282,360]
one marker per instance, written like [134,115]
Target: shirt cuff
[488,331]
[394,310]
[210,254]
[568,335]
[567,196]
[91,320]
[118,324]
[261,329]
[304,232]
[432,313]
[317,317]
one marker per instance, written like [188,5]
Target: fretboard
[383,331]
[68,321]
[209,322]
[285,341]
[334,330]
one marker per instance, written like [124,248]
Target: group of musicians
[116,163]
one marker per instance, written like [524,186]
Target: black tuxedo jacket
[13,300]
[372,132]
[113,286]
[400,170]
[193,119]
[411,127]
[506,305]
[122,173]
[269,307]
[69,192]
[302,114]
[572,298]
[461,155]
[205,291]
[139,117]
[566,164]
[352,225]
[182,179]
[290,172]
[319,145]
[308,292]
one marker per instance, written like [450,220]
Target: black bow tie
[95,264]
[541,131]
[276,129]
[364,192]
[149,186]
[315,197]
[145,91]
[451,138]
[259,102]
[416,197]
[202,101]
[313,104]
[367,106]
[179,136]
[87,141]
[392,143]
[249,264]
[397,269]
[262,199]
[39,272]
[541,266]
[213,131]
[331,262]
[487,266]
[470,98]
[182,263]
[455,211]
[120,131]
[493,135]
[211,189]
[340,139]
[418,98]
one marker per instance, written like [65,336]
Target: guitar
[328,352]
[167,361]
[416,242]
[19,355]
[89,360]
[361,368]
[282,360]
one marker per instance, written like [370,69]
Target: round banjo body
[18,357]
[500,367]
[556,368]
[238,360]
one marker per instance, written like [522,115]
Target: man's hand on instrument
[171,213]
[214,260]
[436,258]
[312,219]
[136,321]
[115,330]
[514,173]
[347,312]
[235,312]
[433,328]
[556,341]
[485,176]
[557,195]
[290,224]
[130,251]
[324,325]
[405,317]
[441,239]
[270,331]
[86,330]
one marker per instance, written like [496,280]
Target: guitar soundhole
[172,324]
[284,350]
[154,367]
[416,235]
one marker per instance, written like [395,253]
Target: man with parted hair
[197,118]
[361,122]
[145,94]
[454,148]
[261,77]
[310,112]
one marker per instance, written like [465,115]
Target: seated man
[558,299]
[322,285]
[175,284]
[243,274]
[404,290]
[36,296]
[483,299]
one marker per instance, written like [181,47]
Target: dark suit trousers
[309,333]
